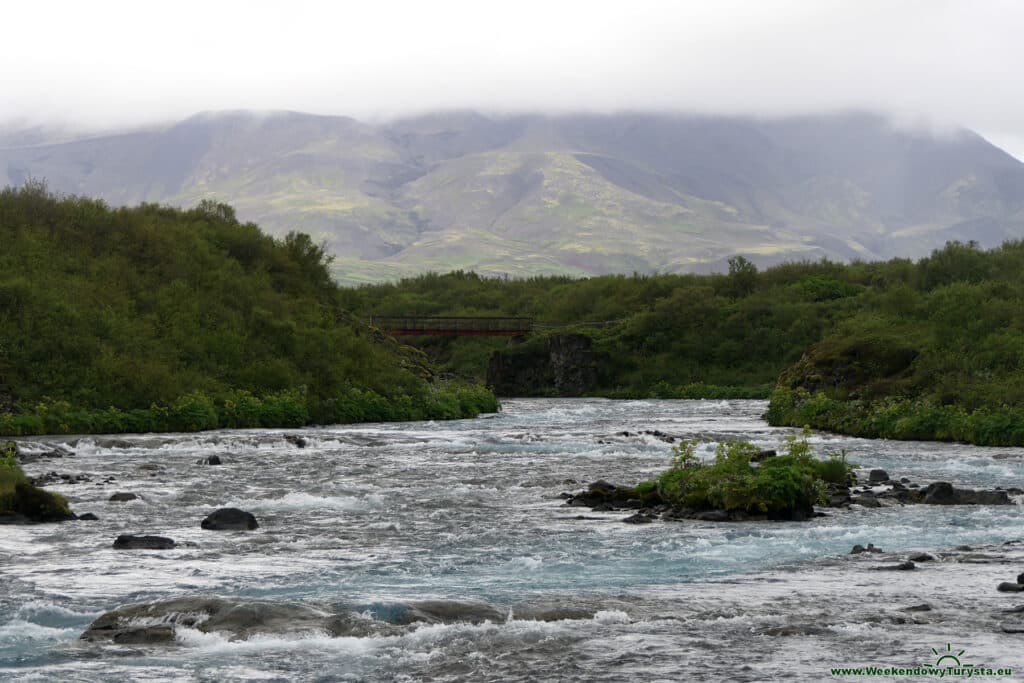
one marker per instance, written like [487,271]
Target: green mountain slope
[534,194]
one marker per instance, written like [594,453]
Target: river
[462,524]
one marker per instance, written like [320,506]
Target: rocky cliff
[557,365]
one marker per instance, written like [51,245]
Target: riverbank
[242,410]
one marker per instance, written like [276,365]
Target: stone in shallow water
[122,497]
[878,476]
[131,542]
[858,549]
[901,567]
[1007,587]
[638,518]
[923,607]
[153,623]
[229,519]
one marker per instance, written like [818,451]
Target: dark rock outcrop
[1008,587]
[210,460]
[229,519]
[558,365]
[858,549]
[944,493]
[878,476]
[122,497]
[88,517]
[130,542]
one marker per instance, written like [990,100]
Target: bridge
[425,326]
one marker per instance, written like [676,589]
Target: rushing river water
[462,522]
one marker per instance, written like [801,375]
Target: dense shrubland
[932,349]
[155,318]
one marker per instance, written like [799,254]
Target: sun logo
[947,658]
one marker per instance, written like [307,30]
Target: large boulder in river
[153,623]
[229,519]
[878,476]
[944,493]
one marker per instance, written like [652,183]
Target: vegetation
[154,318]
[18,496]
[895,349]
[781,487]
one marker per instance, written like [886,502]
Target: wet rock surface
[229,519]
[155,623]
[131,542]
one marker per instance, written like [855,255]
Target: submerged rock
[130,542]
[88,517]
[210,460]
[923,607]
[122,497]
[901,567]
[229,519]
[154,623]
[638,518]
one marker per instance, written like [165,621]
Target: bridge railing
[454,326]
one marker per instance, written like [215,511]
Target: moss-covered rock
[21,501]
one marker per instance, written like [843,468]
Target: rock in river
[122,497]
[229,519]
[154,623]
[130,542]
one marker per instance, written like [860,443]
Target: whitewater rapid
[369,521]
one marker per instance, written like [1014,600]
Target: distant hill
[582,194]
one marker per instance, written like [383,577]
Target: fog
[107,63]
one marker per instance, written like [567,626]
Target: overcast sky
[102,62]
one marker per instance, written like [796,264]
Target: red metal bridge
[425,326]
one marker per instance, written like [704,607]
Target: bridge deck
[454,326]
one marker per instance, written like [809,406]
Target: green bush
[785,486]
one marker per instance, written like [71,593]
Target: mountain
[576,194]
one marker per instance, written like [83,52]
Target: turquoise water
[367,520]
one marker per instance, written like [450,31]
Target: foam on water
[390,514]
